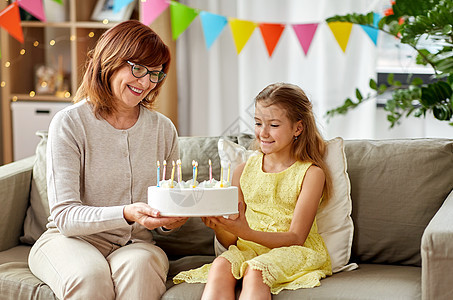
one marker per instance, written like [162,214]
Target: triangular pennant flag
[151,9]
[341,31]
[271,34]
[181,17]
[373,31]
[59,1]
[34,7]
[212,26]
[242,30]
[305,34]
[10,20]
[119,4]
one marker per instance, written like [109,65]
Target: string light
[52,42]
[105,21]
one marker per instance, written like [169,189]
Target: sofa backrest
[396,188]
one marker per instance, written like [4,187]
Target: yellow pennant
[341,31]
[242,31]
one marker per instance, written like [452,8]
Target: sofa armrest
[437,253]
[15,181]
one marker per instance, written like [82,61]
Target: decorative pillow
[38,211]
[334,216]
[232,153]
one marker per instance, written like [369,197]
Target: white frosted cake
[206,199]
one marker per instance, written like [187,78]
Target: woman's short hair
[128,41]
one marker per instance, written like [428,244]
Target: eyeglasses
[140,71]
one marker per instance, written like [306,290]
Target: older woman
[101,157]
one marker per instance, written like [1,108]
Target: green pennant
[181,17]
[59,1]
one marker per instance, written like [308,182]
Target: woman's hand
[149,217]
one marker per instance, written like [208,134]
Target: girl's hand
[235,224]
[149,217]
[208,221]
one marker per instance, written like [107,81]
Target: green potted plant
[410,21]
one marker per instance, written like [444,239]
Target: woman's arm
[303,217]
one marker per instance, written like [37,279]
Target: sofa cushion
[368,282]
[38,211]
[397,187]
[334,216]
[16,280]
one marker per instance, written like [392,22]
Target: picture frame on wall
[104,11]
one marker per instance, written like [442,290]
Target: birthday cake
[192,199]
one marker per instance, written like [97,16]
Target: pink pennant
[151,9]
[34,7]
[305,34]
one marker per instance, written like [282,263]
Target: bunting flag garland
[34,7]
[271,35]
[119,4]
[212,26]
[151,9]
[372,32]
[341,32]
[242,30]
[305,34]
[181,17]
[10,20]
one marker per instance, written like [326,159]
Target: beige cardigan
[93,170]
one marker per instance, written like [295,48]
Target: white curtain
[216,87]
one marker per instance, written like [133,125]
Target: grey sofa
[402,204]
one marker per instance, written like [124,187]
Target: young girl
[273,243]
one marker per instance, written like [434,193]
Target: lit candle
[228,177]
[158,173]
[178,162]
[165,169]
[193,172]
[210,171]
[196,173]
[221,176]
[172,173]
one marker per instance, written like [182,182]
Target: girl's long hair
[127,41]
[309,145]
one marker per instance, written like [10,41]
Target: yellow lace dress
[271,199]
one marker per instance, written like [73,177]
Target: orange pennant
[10,20]
[271,35]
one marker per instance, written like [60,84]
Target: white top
[93,170]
